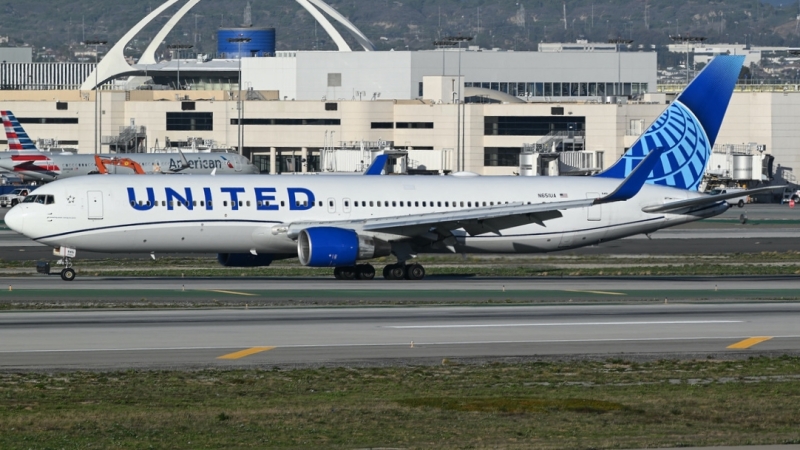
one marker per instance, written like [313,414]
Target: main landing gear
[359,272]
[390,272]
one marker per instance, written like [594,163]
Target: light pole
[616,43]
[686,40]
[239,104]
[97,129]
[179,47]
[442,45]
[459,137]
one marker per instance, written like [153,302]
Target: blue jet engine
[337,247]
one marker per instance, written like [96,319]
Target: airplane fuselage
[243,214]
[43,166]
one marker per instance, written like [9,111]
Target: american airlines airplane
[27,161]
[342,221]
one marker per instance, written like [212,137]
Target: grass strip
[547,405]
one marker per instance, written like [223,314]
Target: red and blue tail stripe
[18,139]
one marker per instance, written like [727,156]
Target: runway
[376,336]
[42,291]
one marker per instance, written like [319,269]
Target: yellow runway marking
[232,292]
[747,343]
[597,292]
[245,352]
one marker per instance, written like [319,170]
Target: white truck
[738,201]
[14,197]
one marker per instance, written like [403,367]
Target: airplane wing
[489,219]
[706,200]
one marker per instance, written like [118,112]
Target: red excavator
[121,162]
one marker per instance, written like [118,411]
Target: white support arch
[326,25]
[149,55]
[365,43]
[114,64]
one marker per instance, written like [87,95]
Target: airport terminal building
[477,109]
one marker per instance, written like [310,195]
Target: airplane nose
[15,219]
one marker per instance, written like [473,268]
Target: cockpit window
[41,199]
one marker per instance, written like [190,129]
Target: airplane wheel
[394,272]
[67,274]
[415,272]
[348,273]
[741,203]
[365,272]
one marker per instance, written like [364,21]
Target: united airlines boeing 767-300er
[340,221]
[31,164]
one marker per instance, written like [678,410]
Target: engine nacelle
[244,260]
[337,247]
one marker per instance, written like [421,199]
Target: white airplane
[339,221]
[27,161]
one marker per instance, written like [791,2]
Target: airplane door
[331,205]
[237,164]
[346,206]
[95,209]
[594,213]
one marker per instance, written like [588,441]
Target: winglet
[633,183]
[377,165]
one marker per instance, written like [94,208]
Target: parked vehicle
[14,197]
[737,201]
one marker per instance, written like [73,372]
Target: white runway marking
[565,324]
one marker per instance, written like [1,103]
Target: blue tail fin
[17,137]
[377,165]
[687,129]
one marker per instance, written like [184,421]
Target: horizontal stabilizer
[706,200]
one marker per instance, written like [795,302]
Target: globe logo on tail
[687,149]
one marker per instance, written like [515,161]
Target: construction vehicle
[120,162]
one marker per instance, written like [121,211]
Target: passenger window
[224,203]
[202,203]
[210,203]
[416,203]
[401,203]
[439,204]
[248,203]
[240,203]
[379,203]
[330,203]
[394,204]
[320,203]
[282,203]
[370,203]
[346,203]
[424,204]
[305,203]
